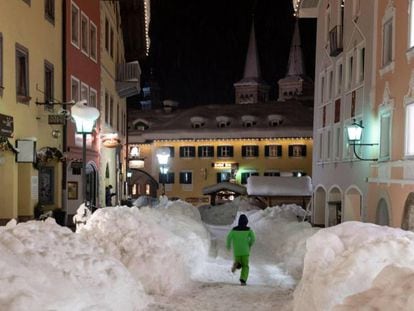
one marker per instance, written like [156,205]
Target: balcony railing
[128,79]
[336,40]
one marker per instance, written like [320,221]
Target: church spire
[295,85]
[251,89]
[296,67]
[252,67]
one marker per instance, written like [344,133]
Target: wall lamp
[354,136]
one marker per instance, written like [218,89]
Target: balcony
[336,40]
[308,8]
[128,79]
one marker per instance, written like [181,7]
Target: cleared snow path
[220,296]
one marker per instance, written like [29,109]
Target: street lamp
[85,118]
[354,136]
[163,154]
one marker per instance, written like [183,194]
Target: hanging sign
[6,125]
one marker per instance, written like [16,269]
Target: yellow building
[118,81]
[217,143]
[30,73]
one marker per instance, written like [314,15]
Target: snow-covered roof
[297,122]
[224,186]
[279,186]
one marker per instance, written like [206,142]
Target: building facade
[344,84]
[391,180]
[82,78]
[30,82]
[119,80]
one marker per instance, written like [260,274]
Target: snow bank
[159,246]
[280,236]
[44,266]
[393,288]
[346,259]
[279,186]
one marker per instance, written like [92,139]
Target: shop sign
[221,165]
[56,119]
[6,125]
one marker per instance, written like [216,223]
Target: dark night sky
[198,47]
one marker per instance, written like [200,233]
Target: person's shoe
[242,282]
[236,265]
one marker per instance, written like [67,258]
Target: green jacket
[242,241]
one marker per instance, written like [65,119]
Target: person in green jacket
[241,238]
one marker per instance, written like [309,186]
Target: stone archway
[319,205]
[408,218]
[352,205]
[334,206]
[382,217]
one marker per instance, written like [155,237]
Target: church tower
[296,84]
[251,89]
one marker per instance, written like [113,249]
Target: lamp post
[85,118]
[163,154]
[354,136]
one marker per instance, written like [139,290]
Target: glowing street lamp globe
[84,116]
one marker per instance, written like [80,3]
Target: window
[93,41]
[385,136]
[327,23]
[224,151]
[1,61]
[349,71]
[84,34]
[339,73]
[328,145]
[361,64]
[187,152]
[49,85]
[50,10]
[111,111]
[223,177]
[250,151]
[297,151]
[322,95]
[117,117]
[75,25]
[273,151]
[246,175]
[186,178]
[387,38]
[22,71]
[75,89]
[337,143]
[106,107]
[330,84]
[84,92]
[93,96]
[337,116]
[111,43]
[106,35]
[166,178]
[320,150]
[205,151]
[411,24]
[409,129]
[271,173]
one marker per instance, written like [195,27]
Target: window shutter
[192,152]
[160,178]
[279,150]
[266,151]
[290,151]
[199,151]
[244,178]
[218,177]
[303,150]
[211,151]
[190,178]
[254,174]
[243,151]
[256,151]
[181,152]
[231,151]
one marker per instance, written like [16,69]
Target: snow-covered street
[224,296]
[168,258]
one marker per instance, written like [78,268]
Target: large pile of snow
[348,259]
[161,246]
[280,238]
[44,266]
[279,186]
